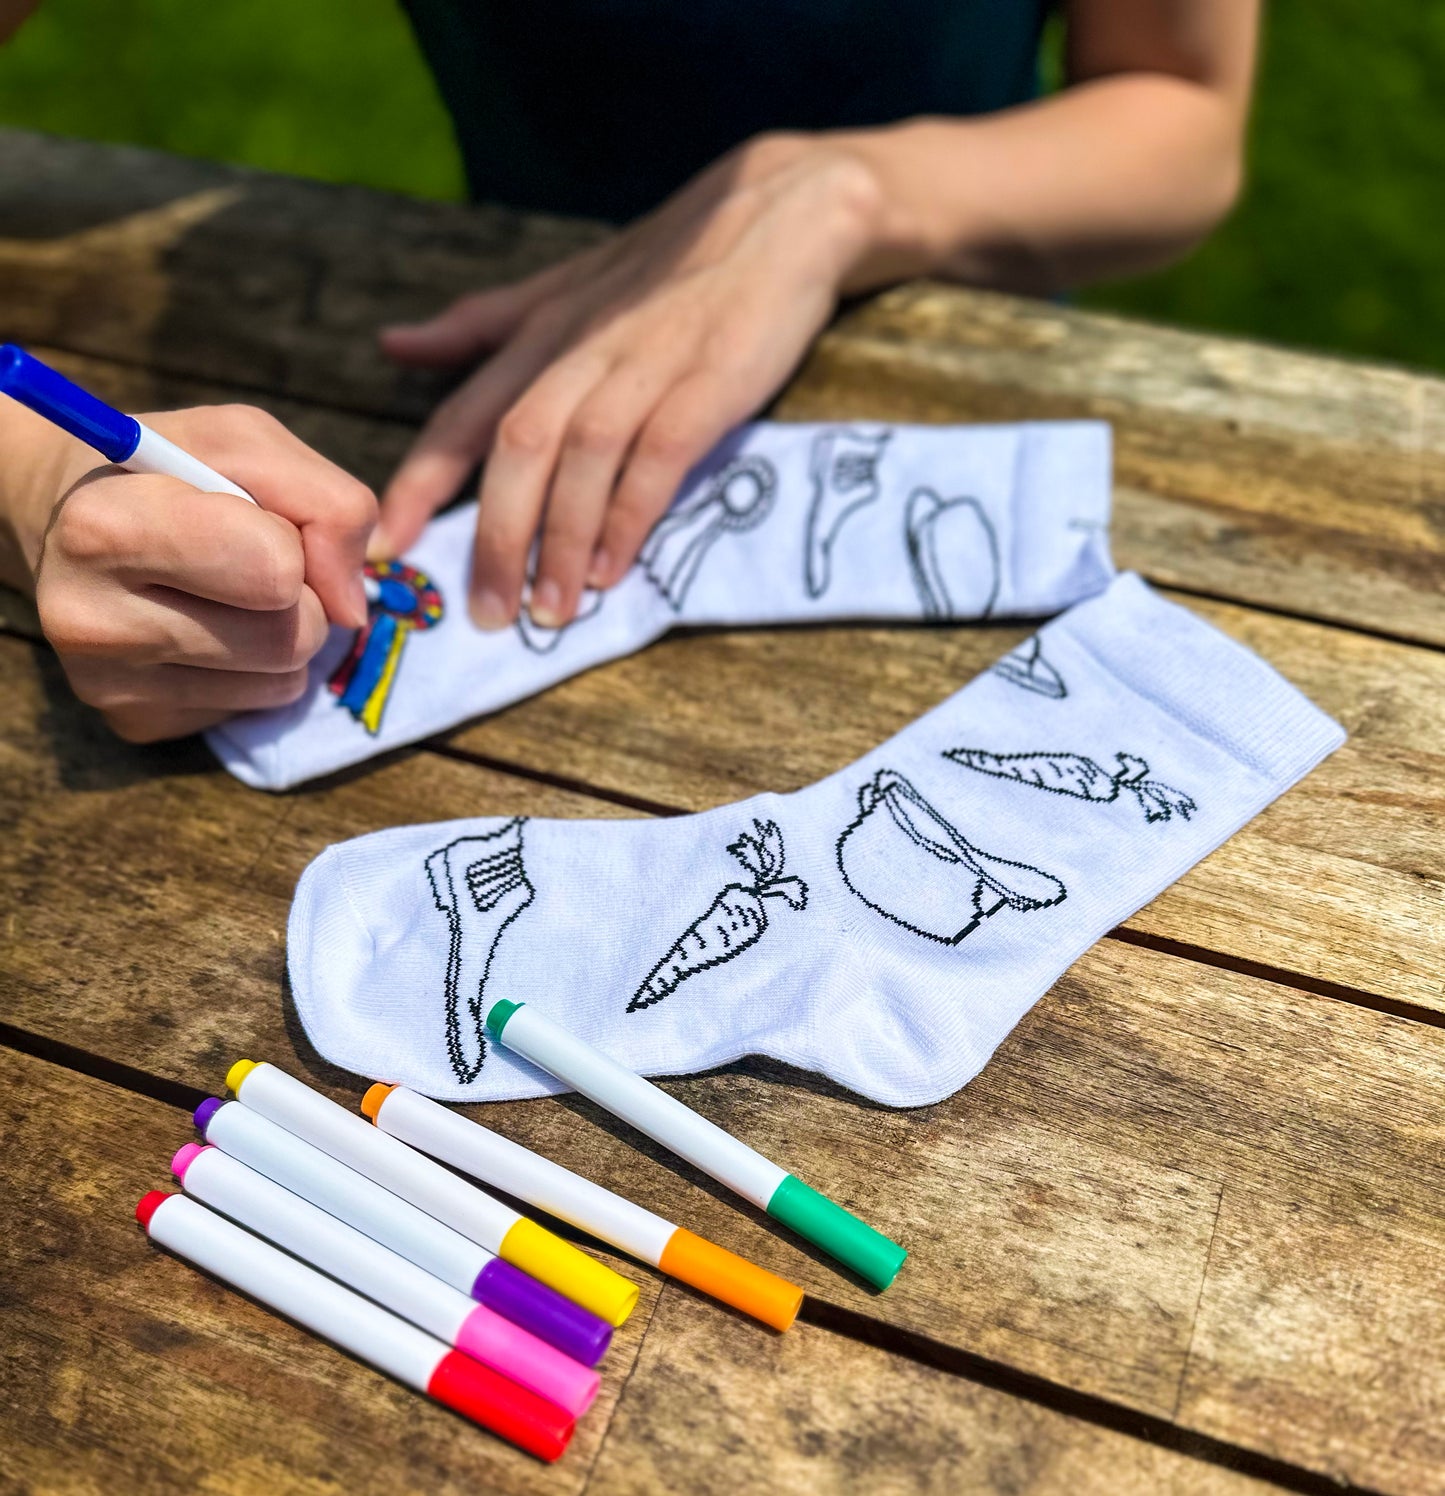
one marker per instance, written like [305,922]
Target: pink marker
[357,1325]
[342,1252]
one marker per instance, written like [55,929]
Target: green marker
[785,1197]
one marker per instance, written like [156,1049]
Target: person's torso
[603,107]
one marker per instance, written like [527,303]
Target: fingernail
[600,569]
[546,604]
[489,611]
[359,607]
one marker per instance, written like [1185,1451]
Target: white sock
[887,926]
[782,523]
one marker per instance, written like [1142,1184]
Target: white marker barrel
[784,1196]
[508,1166]
[293,1163]
[431,1188]
[484,1154]
[308,1232]
[625,1094]
[354,1323]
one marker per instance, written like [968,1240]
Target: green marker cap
[498,1014]
[839,1232]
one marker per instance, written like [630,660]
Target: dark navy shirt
[603,107]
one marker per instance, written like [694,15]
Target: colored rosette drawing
[904,860]
[734,922]
[402,599]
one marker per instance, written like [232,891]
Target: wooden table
[1186,1232]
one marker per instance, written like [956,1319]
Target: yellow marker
[415,1178]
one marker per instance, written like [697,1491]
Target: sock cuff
[1203,679]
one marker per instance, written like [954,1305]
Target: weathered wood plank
[126,1370]
[1358,846]
[1246,472]
[1241,470]
[1061,1210]
[801,1413]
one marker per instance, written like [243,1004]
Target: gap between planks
[835,1319]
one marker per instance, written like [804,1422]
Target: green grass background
[1336,245]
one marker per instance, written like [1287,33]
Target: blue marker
[120,438]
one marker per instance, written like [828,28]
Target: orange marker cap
[733,1279]
[371,1102]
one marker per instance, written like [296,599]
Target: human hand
[614,372]
[172,609]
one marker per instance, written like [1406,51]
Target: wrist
[41,463]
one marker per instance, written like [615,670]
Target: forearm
[1108,178]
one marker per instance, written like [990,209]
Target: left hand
[611,374]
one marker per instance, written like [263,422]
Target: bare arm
[1126,168]
[607,377]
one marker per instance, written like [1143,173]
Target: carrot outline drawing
[1077,775]
[733,922]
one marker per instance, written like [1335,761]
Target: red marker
[355,1324]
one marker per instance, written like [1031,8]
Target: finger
[593,450]
[455,440]
[115,686]
[164,627]
[686,425]
[514,486]
[471,325]
[143,530]
[333,511]
[158,724]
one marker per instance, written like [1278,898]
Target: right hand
[173,609]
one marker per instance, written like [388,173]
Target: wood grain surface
[1359,848]
[1244,472]
[1062,1210]
[1182,1234]
[120,1357]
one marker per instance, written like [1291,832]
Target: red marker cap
[486,1397]
[149,1203]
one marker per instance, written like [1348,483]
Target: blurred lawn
[1335,246]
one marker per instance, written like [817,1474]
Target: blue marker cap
[53,396]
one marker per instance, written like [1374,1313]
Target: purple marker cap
[205,1111]
[543,1311]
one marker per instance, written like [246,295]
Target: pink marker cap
[185,1156]
[485,1336]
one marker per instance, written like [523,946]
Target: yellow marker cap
[237,1073]
[371,1102]
[573,1273]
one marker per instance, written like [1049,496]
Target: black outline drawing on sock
[950,580]
[1081,778]
[488,877]
[542,640]
[1026,667]
[672,554]
[735,920]
[843,464]
[895,863]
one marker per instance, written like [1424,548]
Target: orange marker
[517,1171]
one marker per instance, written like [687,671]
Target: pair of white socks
[783,523]
[886,927]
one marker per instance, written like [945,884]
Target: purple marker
[411,1233]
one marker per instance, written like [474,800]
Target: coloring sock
[886,927]
[782,523]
